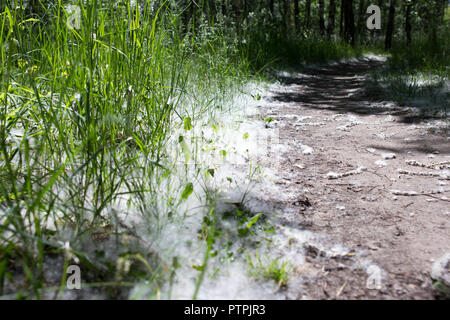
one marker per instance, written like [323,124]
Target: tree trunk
[237,9]
[245,9]
[307,14]
[444,5]
[383,4]
[408,26]
[436,21]
[361,20]
[349,22]
[321,17]
[331,18]
[341,19]
[390,26]
[296,14]
[287,14]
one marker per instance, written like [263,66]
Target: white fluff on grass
[237,150]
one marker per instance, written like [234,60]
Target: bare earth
[327,110]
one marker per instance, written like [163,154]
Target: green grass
[417,75]
[272,269]
[85,116]
[266,43]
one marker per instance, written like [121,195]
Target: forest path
[327,110]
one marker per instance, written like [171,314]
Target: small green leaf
[187,191]
[253,221]
[187,124]
[223,153]
[211,172]
[245,136]
[198,268]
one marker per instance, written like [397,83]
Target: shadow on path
[340,88]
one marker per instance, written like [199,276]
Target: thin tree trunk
[287,14]
[321,17]
[390,26]
[408,26]
[444,4]
[296,14]
[361,16]
[307,14]
[341,19]
[436,22]
[237,13]
[331,18]
[349,22]
[271,6]
[383,4]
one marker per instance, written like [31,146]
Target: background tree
[408,28]
[341,19]
[296,15]
[237,9]
[390,25]
[349,22]
[287,13]
[307,13]
[362,20]
[331,18]
[321,17]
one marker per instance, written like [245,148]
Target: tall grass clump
[417,75]
[85,115]
[83,111]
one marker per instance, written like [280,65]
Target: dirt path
[327,110]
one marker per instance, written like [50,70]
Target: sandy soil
[328,110]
